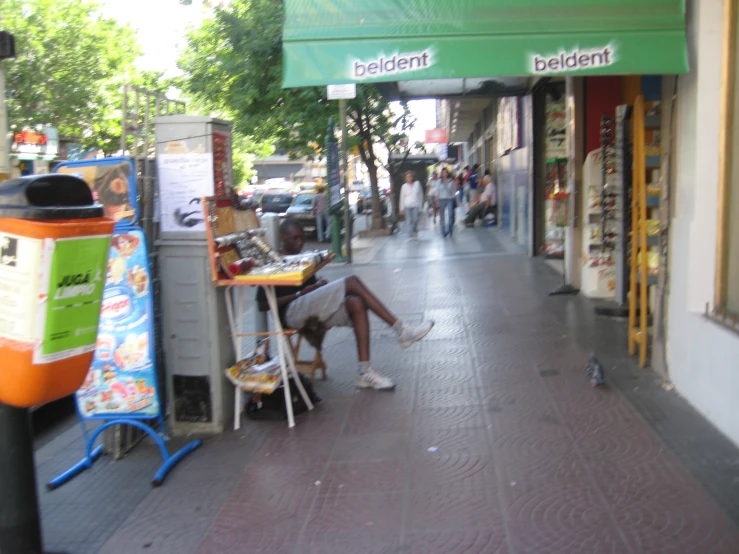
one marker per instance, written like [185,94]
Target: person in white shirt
[488,202]
[411,201]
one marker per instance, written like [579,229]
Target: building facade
[702,343]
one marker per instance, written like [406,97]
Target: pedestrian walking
[411,201]
[445,191]
[432,198]
[320,212]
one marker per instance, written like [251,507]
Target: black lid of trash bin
[48,197]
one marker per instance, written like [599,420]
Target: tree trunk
[367,154]
[378,220]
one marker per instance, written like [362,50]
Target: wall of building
[602,95]
[703,358]
[272,170]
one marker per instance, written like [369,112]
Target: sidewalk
[493,442]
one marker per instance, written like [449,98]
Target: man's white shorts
[326,303]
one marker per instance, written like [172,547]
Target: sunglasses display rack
[597,274]
[610,215]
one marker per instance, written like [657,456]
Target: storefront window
[727,290]
[555,184]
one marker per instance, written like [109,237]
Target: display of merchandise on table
[240,256]
[246,256]
[243,254]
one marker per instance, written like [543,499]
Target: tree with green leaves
[71,62]
[233,64]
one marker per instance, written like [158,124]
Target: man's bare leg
[407,334]
[355,287]
[360,319]
[368,377]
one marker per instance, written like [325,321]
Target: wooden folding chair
[308,367]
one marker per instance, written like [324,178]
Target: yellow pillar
[631,87]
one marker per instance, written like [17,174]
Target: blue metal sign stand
[121,387]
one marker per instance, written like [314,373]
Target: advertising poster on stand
[112,181]
[184,179]
[123,378]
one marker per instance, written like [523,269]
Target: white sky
[161,26]
[425,112]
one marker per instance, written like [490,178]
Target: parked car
[302,210]
[364,202]
[276,200]
[253,193]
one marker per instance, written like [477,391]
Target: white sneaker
[413,333]
[370,379]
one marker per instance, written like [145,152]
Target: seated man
[487,203]
[342,303]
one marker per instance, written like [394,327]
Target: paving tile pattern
[493,442]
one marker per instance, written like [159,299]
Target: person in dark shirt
[345,302]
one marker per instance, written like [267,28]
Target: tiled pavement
[493,441]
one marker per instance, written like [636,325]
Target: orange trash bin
[54,243]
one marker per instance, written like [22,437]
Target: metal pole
[4,159]
[345,167]
[20,525]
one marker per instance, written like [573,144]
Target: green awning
[343,41]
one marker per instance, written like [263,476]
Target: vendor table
[235,305]
[223,217]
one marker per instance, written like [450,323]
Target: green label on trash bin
[76,277]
